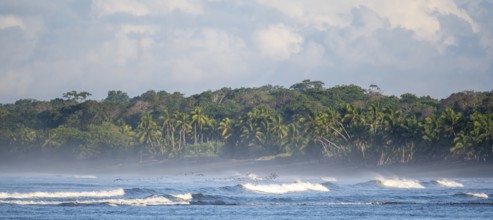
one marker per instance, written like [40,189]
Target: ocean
[241,196]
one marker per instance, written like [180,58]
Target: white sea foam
[254,177]
[329,179]
[477,195]
[183,197]
[448,183]
[400,183]
[113,202]
[298,186]
[35,195]
[83,177]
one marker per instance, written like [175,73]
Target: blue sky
[422,47]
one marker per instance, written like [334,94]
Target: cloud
[130,42]
[194,45]
[143,8]
[10,21]
[279,41]
[31,26]
[108,7]
[419,16]
[199,56]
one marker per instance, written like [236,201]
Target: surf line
[34,195]
[285,188]
[151,201]
[400,183]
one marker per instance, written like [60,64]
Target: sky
[422,47]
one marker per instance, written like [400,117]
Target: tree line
[306,120]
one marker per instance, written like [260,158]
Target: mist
[256,169]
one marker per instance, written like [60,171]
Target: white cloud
[108,7]
[320,14]
[124,47]
[313,56]
[206,54]
[279,41]
[10,21]
[213,39]
[419,16]
[188,6]
[144,7]
[194,45]
[139,29]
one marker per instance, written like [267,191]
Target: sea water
[241,196]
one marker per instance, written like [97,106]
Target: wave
[83,177]
[329,179]
[400,183]
[254,177]
[183,197]
[35,195]
[150,201]
[140,191]
[476,195]
[448,183]
[298,186]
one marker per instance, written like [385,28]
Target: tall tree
[199,119]
[147,133]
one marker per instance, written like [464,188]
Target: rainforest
[305,121]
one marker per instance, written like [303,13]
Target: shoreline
[282,167]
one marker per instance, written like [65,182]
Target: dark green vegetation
[346,123]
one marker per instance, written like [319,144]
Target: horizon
[101,97]
[439,48]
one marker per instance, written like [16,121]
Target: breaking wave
[83,177]
[400,183]
[448,183]
[298,186]
[183,197]
[150,201]
[37,195]
[329,179]
[254,177]
[476,195]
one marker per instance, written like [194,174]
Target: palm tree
[147,132]
[375,129]
[168,128]
[319,129]
[183,126]
[400,134]
[355,128]
[278,132]
[476,140]
[374,119]
[430,129]
[253,129]
[295,140]
[127,131]
[449,121]
[391,139]
[198,119]
[51,141]
[225,127]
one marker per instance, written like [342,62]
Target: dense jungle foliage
[307,120]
